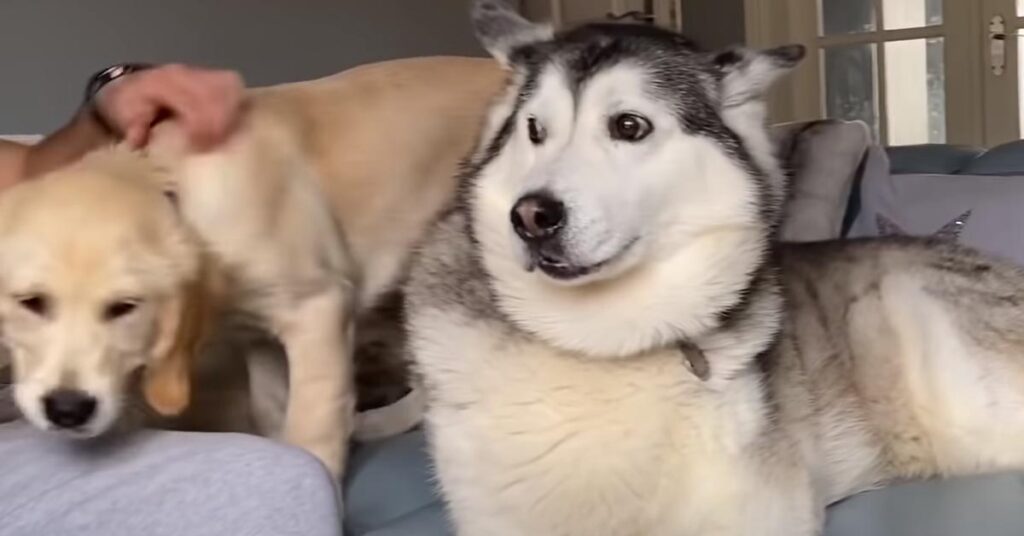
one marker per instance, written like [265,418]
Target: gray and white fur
[614,343]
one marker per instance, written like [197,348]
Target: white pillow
[27,139]
[823,159]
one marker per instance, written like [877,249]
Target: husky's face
[622,158]
[588,167]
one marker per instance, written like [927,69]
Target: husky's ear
[501,29]
[749,74]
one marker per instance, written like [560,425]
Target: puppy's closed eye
[37,304]
[119,309]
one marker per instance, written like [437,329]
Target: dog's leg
[317,334]
[268,387]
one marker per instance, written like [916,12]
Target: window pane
[847,16]
[897,14]
[915,87]
[1020,8]
[850,90]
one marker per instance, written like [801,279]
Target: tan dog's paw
[332,459]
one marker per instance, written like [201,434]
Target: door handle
[997,44]
[635,10]
[638,16]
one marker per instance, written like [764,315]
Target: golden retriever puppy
[98,278]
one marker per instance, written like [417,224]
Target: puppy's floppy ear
[167,380]
[501,29]
[748,74]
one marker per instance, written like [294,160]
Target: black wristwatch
[99,80]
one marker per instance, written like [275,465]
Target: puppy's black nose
[68,408]
[537,217]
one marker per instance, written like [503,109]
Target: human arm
[206,101]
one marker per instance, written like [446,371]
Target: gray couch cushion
[931,158]
[988,505]
[396,471]
[388,486]
[1006,159]
[941,159]
[986,207]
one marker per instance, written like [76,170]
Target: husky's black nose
[68,408]
[538,217]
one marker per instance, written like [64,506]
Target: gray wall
[49,47]
[714,23]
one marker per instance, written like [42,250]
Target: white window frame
[801,96]
[667,13]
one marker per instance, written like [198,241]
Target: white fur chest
[530,442]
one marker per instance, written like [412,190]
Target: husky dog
[614,343]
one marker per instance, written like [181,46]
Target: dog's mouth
[84,431]
[556,264]
[80,432]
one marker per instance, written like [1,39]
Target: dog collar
[696,361]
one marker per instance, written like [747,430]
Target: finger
[117,106]
[139,125]
[228,93]
[135,136]
[223,93]
[135,102]
[184,103]
[198,110]
[205,117]
[133,108]
[139,118]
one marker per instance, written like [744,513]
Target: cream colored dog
[97,276]
[300,221]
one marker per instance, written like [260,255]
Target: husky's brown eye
[34,303]
[629,127]
[119,309]
[536,131]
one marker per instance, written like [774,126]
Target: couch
[843,186]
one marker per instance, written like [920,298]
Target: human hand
[207,103]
